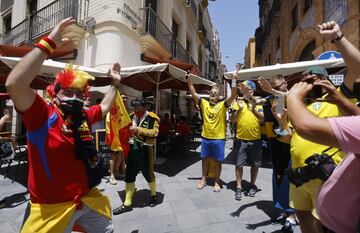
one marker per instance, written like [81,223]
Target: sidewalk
[183,208]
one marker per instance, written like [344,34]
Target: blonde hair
[277,80]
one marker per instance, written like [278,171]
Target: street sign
[329,55]
[336,79]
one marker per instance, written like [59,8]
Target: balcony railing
[18,34]
[179,52]
[44,20]
[153,25]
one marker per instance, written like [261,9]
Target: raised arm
[331,30]
[20,78]
[346,107]
[108,101]
[3,120]
[233,95]
[306,124]
[192,90]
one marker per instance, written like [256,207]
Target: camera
[318,167]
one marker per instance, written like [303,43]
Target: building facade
[288,29]
[127,31]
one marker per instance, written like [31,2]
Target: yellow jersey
[248,125]
[214,119]
[301,149]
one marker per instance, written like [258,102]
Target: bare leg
[112,163]
[308,224]
[253,174]
[238,174]
[205,170]
[217,185]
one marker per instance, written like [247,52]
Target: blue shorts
[214,148]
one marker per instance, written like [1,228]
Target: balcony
[45,19]
[201,31]
[180,54]
[155,36]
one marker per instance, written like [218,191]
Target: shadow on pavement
[21,175]
[177,163]
[141,198]
[15,200]
[266,206]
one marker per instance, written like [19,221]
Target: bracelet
[233,83]
[46,45]
[337,38]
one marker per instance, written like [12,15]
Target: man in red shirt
[63,161]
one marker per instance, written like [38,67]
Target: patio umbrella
[47,72]
[141,78]
[160,76]
[283,69]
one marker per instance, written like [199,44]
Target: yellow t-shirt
[214,119]
[301,149]
[248,125]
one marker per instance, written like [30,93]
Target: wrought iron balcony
[17,35]
[201,31]
[43,20]
[179,53]
[153,25]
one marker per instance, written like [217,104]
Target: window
[32,6]
[175,32]
[278,42]
[188,46]
[7,22]
[294,17]
[307,5]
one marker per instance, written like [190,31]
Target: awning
[20,51]
[182,65]
[283,69]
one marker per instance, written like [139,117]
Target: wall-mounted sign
[130,14]
[336,79]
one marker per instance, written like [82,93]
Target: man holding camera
[303,198]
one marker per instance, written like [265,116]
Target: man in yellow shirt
[213,130]
[248,137]
[303,198]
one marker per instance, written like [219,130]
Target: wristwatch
[337,38]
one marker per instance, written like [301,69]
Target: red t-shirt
[55,175]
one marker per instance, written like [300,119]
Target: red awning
[182,65]
[20,51]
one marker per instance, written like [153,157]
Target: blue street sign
[329,55]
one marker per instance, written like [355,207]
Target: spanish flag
[117,126]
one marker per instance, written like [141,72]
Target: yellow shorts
[304,197]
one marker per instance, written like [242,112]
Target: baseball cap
[317,70]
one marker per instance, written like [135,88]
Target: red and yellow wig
[70,77]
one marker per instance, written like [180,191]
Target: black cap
[139,101]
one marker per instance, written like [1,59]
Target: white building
[127,31]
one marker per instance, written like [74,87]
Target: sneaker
[153,201]
[238,194]
[279,220]
[112,180]
[289,226]
[122,209]
[253,190]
